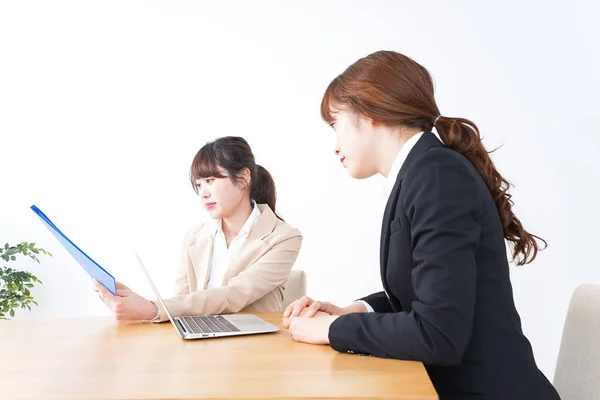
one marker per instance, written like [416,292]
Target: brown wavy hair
[392,89]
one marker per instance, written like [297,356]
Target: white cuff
[369,308]
[157,318]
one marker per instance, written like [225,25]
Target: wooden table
[98,358]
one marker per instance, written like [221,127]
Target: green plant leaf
[15,285]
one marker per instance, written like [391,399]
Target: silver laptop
[210,326]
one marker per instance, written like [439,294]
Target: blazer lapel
[253,245]
[388,215]
[200,256]
[427,141]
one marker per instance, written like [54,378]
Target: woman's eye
[209,180]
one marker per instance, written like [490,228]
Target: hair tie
[436,120]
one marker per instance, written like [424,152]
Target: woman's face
[222,197]
[355,144]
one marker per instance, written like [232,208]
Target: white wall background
[104,104]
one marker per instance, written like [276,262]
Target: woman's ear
[363,120]
[371,122]
[245,176]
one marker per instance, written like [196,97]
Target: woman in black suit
[447,298]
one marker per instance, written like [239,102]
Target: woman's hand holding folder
[126,305]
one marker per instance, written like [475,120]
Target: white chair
[577,374]
[295,287]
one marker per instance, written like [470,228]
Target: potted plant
[15,285]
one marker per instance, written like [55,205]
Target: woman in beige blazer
[239,260]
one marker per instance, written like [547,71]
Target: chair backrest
[577,374]
[295,287]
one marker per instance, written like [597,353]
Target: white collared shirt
[222,256]
[393,176]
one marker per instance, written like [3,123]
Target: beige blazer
[254,282]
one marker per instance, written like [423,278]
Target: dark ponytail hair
[234,154]
[394,90]
[263,189]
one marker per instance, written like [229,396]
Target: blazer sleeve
[266,274]
[444,205]
[379,302]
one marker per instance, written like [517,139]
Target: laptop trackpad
[247,321]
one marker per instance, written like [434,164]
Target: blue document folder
[89,265]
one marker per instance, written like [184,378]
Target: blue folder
[89,265]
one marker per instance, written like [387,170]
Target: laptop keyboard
[209,324]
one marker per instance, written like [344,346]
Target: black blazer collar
[426,142]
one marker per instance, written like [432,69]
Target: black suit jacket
[448,299]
